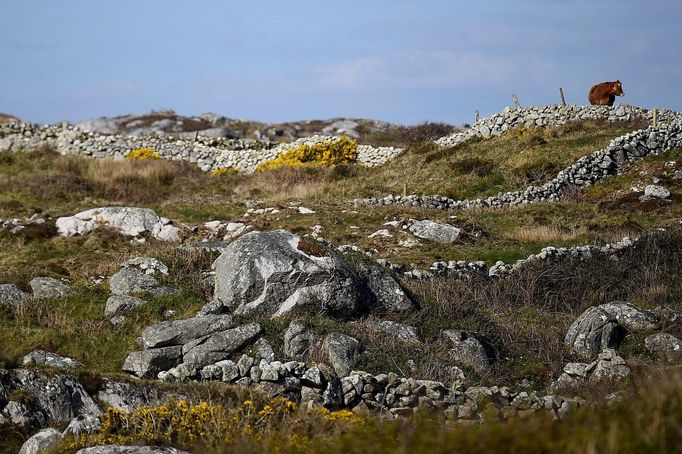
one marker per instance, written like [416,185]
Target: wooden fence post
[563,100]
[516,101]
[478,116]
[654,118]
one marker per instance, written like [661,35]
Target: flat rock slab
[148,363]
[179,332]
[434,231]
[220,345]
[631,317]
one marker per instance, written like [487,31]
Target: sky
[394,60]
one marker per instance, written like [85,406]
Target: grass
[525,318]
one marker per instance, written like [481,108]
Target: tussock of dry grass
[544,234]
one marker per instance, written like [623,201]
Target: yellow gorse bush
[183,423]
[326,154]
[224,171]
[143,153]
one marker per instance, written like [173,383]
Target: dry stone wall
[208,153]
[586,171]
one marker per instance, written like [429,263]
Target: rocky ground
[543,283]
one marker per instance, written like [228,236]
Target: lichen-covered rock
[297,339]
[49,288]
[82,425]
[273,273]
[11,296]
[470,349]
[120,304]
[133,280]
[609,366]
[342,350]
[127,396]
[148,363]
[179,332]
[59,396]
[631,317]
[48,359]
[664,346]
[400,331]
[434,231]
[592,332]
[389,293]
[20,415]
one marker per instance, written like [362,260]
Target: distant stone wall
[538,117]
[584,172]
[208,153]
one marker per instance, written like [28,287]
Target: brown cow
[605,93]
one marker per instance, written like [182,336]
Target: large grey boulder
[41,441]
[49,288]
[592,332]
[220,345]
[297,339]
[470,349]
[266,273]
[48,359]
[179,332]
[631,317]
[148,363]
[133,280]
[434,231]
[11,296]
[401,332]
[341,350]
[129,221]
[120,304]
[120,449]
[389,293]
[664,346]
[59,396]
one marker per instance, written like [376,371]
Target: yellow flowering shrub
[143,153]
[326,154]
[224,171]
[182,423]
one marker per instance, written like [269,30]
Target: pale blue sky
[394,60]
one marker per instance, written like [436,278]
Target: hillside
[167,122]
[461,276]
